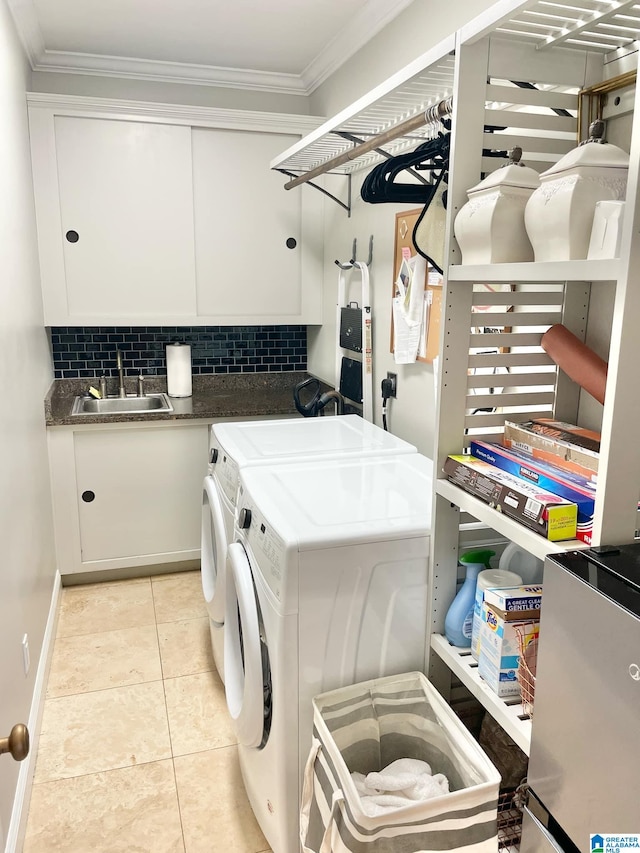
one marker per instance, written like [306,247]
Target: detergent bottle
[458,623]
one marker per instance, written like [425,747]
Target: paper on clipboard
[406,338]
[410,311]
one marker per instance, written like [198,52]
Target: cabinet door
[126,191]
[139,492]
[249,252]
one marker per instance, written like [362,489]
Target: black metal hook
[353,261]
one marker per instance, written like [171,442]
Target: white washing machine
[326,586]
[236,445]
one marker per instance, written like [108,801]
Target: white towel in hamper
[398,785]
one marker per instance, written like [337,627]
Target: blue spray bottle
[458,622]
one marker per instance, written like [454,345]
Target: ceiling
[286,46]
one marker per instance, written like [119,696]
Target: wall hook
[353,261]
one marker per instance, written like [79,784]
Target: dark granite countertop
[225,396]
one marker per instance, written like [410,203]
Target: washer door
[247,685]
[213,553]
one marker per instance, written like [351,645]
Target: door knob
[17,743]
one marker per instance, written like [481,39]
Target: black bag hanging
[429,231]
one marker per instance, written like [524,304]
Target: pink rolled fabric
[576,359]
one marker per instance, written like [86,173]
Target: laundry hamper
[363,728]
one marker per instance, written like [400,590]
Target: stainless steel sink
[152,404]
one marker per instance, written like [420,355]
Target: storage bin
[526,672]
[363,728]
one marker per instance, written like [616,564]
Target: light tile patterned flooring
[136,749]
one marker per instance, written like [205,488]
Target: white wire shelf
[606,269]
[527,539]
[602,26]
[508,712]
[584,26]
[425,81]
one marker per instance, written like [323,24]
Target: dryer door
[213,551]
[245,678]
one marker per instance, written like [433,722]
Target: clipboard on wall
[403,247]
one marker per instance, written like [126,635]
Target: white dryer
[236,445]
[326,586]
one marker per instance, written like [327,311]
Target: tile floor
[136,750]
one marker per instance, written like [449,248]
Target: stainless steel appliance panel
[585,751]
[535,837]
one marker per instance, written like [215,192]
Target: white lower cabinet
[127,495]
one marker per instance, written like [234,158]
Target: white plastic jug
[516,559]
[489,579]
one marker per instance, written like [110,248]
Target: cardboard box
[512,601]
[564,454]
[539,510]
[500,647]
[588,439]
[571,487]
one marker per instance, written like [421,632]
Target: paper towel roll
[178,370]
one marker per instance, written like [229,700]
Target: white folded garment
[400,783]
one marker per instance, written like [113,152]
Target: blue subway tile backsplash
[91,351]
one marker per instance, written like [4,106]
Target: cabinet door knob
[72,236]
[17,743]
[291,243]
[88,496]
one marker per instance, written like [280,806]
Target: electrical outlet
[394,383]
[26,658]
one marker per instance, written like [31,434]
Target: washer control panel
[267,546]
[226,472]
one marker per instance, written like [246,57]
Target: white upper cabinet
[147,221]
[248,230]
[123,227]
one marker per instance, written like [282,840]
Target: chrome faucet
[121,392]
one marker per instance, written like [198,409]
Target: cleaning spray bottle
[458,622]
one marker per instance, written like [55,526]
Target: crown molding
[353,36]
[176,113]
[68,62]
[359,31]
[26,21]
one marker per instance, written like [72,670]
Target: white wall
[422,25]
[26,533]
[410,415]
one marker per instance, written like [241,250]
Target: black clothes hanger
[380,185]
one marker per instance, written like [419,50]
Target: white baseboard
[17,826]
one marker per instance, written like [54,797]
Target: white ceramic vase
[490,227]
[559,214]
